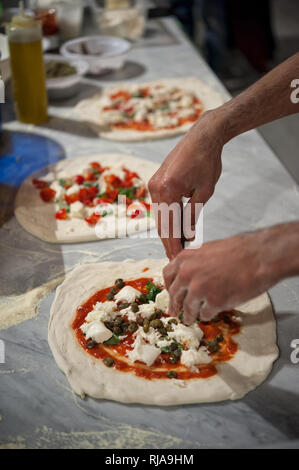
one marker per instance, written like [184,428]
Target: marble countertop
[37,407]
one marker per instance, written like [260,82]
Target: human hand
[218,276]
[191,170]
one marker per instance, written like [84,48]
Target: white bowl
[65,87]
[111,56]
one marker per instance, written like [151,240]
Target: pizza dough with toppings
[76,200]
[112,335]
[151,110]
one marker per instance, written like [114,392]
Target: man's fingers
[169,273]
[177,293]
[173,246]
[207,312]
[193,208]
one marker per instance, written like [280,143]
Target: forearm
[278,252]
[266,100]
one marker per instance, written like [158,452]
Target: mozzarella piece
[192,357]
[152,336]
[111,117]
[102,311]
[146,310]
[96,331]
[186,101]
[60,191]
[190,336]
[129,313]
[77,210]
[158,281]
[127,294]
[163,343]
[143,352]
[73,189]
[162,300]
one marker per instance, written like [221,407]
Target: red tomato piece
[47,194]
[112,195]
[61,214]
[40,184]
[91,177]
[140,192]
[113,180]
[71,198]
[137,214]
[86,195]
[79,179]
[121,94]
[93,218]
[97,166]
[130,174]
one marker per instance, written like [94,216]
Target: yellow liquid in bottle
[28,80]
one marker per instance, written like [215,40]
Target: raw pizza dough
[38,217]
[88,109]
[89,376]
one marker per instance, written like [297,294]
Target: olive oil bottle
[27,67]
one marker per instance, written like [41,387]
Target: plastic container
[100,52]
[126,21]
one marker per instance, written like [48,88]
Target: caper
[146,326]
[113,290]
[143,298]
[134,307]
[124,327]
[177,352]
[159,313]
[109,296]
[123,305]
[140,321]
[91,344]
[119,283]
[156,323]
[109,325]
[117,330]
[220,337]
[118,321]
[153,316]
[171,374]
[173,358]
[162,331]
[109,361]
[213,345]
[132,327]
[215,319]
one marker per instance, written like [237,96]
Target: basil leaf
[153,291]
[62,182]
[64,205]
[112,341]
[128,192]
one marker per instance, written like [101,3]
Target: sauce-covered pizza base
[224,325]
